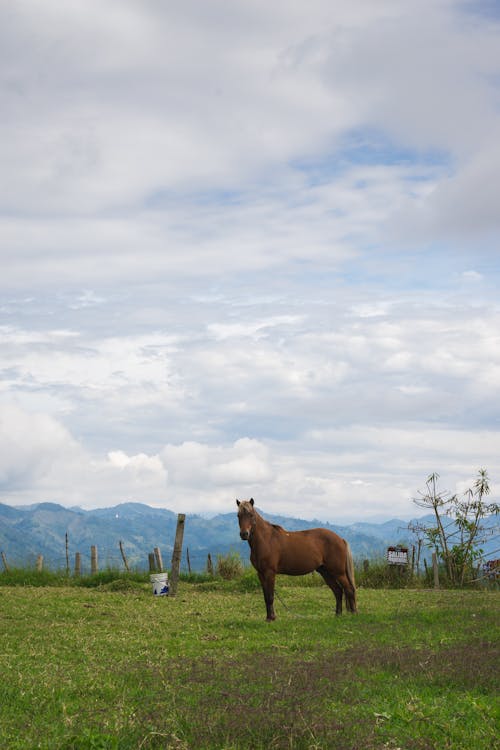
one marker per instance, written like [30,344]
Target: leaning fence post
[158,559]
[4,560]
[176,555]
[78,563]
[152,562]
[93,560]
[436,571]
[124,557]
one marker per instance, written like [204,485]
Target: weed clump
[229,567]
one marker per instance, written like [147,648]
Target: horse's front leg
[267,582]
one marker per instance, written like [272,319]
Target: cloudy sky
[249,249]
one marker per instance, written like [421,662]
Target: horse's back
[324,536]
[304,551]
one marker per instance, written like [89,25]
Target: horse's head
[246,518]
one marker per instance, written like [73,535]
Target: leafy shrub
[377,574]
[106,577]
[229,566]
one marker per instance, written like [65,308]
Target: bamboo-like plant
[458,530]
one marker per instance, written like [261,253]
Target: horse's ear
[237,502]
[251,501]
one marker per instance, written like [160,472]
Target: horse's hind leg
[350,592]
[332,582]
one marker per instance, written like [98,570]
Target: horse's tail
[349,569]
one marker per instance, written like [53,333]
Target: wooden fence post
[124,558]
[152,562]
[4,560]
[188,560]
[210,567]
[67,554]
[78,563]
[39,563]
[94,567]
[435,569]
[176,555]
[158,560]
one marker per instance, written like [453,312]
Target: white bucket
[159,582]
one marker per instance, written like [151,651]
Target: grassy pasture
[115,667]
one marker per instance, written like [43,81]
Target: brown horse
[274,550]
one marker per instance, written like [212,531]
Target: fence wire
[110,558]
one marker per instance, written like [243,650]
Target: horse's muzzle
[245,535]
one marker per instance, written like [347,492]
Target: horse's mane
[277,527]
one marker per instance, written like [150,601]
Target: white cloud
[139,463]
[40,460]
[29,444]
[247,248]
[103,368]
[336,474]
[473,276]
[208,467]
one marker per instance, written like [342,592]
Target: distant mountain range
[26,532]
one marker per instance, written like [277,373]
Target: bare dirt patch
[272,700]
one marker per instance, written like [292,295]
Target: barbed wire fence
[119,558]
[111,558]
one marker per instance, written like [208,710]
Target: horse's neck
[262,533]
[262,525]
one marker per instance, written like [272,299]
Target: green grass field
[115,667]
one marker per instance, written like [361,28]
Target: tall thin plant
[458,529]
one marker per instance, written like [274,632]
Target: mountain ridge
[41,528]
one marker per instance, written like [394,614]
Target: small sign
[492,569]
[397,555]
